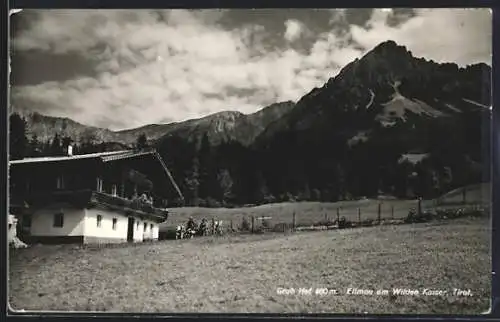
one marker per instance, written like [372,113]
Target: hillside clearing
[308,213]
[242,273]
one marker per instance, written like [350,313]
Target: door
[130,231]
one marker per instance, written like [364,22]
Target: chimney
[70,150]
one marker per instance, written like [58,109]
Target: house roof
[100,155]
[124,155]
[105,157]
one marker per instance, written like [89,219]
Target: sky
[121,69]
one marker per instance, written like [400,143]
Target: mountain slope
[386,85]
[229,126]
[220,127]
[388,123]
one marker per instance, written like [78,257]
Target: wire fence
[294,216]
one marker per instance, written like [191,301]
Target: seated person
[191,224]
[143,197]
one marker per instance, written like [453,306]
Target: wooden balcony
[90,198]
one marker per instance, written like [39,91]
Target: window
[99,185]
[99,220]
[137,228]
[151,227]
[58,220]
[145,226]
[113,190]
[114,223]
[60,182]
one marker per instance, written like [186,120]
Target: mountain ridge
[387,123]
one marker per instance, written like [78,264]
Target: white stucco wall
[138,236]
[42,221]
[83,222]
[156,230]
[148,234]
[106,229]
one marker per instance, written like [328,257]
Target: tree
[192,184]
[35,147]
[55,147]
[66,141]
[88,144]
[207,170]
[226,185]
[18,140]
[142,142]
[262,192]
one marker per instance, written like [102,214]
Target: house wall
[105,233]
[149,234]
[42,221]
[80,226]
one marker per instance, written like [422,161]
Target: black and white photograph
[250,161]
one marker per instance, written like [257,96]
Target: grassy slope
[312,212]
[242,273]
[306,212]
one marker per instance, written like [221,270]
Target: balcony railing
[126,203]
[83,197]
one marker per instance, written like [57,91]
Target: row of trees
[22,146]
[295,167]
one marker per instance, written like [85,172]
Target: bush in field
[367,223]
[282,227]
[426,216]
[324,223]
[212,203]
[415,217]
[245,225]
[266,224]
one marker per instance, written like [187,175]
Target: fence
[363,215]
[330,217]
[290,216]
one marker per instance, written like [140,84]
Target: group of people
[143,198]
[192,229]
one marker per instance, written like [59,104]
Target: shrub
[367,223]
[245,225]
[212,203]
[282,227]
[344,223]
[266,224]
[426,216]
[415,217]
[324,223]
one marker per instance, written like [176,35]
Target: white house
[92,198]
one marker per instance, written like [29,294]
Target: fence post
[338,216]
[231,224]
[464,195]
[359,216]
[419,206]
[392,211]
[253,221]
[379,211]
[293,221]
[326,218]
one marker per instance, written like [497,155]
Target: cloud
[181,64]
[293,30]
[462,36]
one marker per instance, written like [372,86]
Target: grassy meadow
[241,273]
[308,213]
